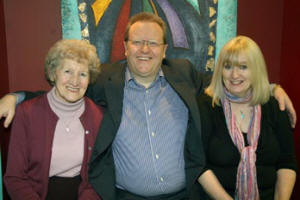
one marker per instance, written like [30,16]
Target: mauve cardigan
[29,156]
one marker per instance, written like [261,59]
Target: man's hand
[7,108]
[285,103]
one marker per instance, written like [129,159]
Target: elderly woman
[53,134]
[248,140]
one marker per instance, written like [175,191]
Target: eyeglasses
[149,43]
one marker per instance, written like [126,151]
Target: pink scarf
[246,183]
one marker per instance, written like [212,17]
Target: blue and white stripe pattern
[148,148]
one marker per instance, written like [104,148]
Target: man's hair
[146,17]
[229,55]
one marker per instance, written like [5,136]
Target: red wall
[31,28]
[290,68]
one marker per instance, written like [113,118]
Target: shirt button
[147,91]
[161,179]
[90,148]
[149,112]
[153,134]
[87,132]
[156,156]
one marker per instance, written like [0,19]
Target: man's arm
[7,108]
[285,103]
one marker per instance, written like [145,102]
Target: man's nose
[145,46]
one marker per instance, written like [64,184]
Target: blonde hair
[229,54]
[78,50]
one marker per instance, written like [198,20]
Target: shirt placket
[150,96]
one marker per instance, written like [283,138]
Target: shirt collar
[129,76]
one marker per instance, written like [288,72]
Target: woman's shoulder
[33,103]
[271,105]
[272,111]
[205,103]
[204,100]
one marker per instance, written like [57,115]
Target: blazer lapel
[185,90]
[179,85]
[114,92]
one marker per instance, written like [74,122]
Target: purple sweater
[30,147]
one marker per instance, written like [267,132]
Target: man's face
[145,50]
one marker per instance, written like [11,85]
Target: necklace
[67,125]
[242,114]
[67,122]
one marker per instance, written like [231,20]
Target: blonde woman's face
[237,78]
[71,80]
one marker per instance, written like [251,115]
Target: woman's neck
[243,114]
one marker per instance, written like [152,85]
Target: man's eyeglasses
[149,43]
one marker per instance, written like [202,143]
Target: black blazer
[108,92]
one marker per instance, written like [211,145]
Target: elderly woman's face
[71,80]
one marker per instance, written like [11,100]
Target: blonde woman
[248,140]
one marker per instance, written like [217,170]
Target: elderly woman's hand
[7,108]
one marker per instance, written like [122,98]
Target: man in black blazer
[145,47]
[147,146]
[109,92]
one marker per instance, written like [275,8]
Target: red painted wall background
[290,67]
[29,28]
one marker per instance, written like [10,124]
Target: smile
[237,82]
[72,89]
[144,58]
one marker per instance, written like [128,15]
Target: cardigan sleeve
[88,193]
[16,179]
[205,109]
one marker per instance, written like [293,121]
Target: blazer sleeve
[96,91]
[202,80]
[89,193]
[284,134]
[16,179]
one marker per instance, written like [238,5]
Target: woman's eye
[227,67]
[84,74]
[243,67]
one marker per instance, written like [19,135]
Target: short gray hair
[78,50]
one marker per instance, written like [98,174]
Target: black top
[275,148]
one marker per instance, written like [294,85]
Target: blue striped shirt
[149,145]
